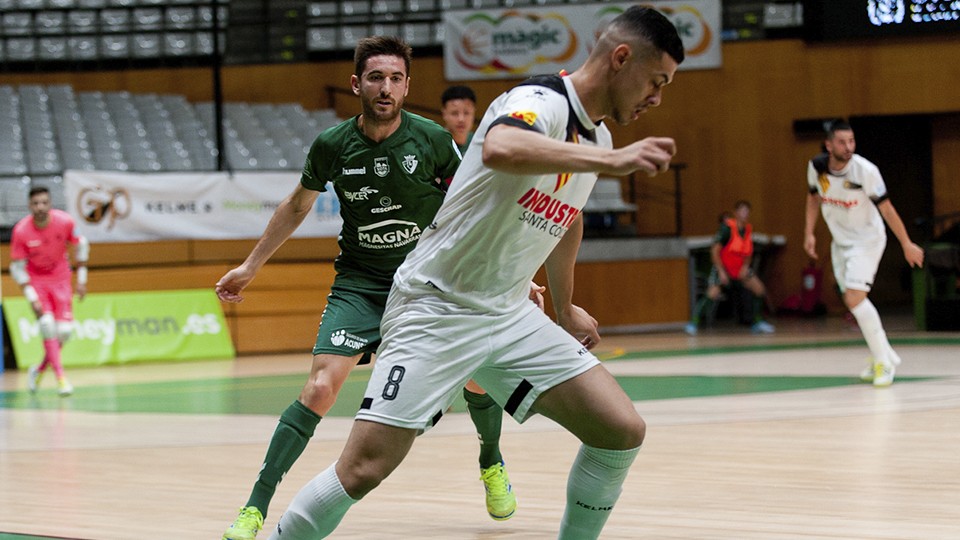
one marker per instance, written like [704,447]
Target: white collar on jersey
[576,105]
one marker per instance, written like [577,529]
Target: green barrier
[3,359]
[128,327]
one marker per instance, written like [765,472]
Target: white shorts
[855,267]
[432,347]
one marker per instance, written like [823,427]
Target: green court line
[272,394]
[688,386]
[768,347]
[248,395]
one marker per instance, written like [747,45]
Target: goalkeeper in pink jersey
[41,266]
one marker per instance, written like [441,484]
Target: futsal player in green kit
[389,169]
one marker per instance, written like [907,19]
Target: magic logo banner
[517,43]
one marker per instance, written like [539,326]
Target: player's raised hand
[651,155]
[232,284]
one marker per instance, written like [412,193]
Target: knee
[852,298]
[359,477]
[48,326]
[636,434]
[64,330]
[629,434]
[319,393]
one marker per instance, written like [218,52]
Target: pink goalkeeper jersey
[45,249]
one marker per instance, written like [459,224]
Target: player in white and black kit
[458,308]
[853,198]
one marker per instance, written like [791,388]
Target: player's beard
[376,115]
[841,158]
[41,218]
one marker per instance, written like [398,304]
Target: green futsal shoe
[501,502]
[247,525]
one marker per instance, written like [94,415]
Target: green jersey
[389,192]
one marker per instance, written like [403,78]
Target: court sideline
[749,437]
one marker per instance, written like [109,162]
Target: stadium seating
[604,208]
[45,130]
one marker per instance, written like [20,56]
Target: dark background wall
[733,126]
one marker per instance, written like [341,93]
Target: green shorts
[350,324]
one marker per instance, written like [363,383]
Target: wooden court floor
[749,437]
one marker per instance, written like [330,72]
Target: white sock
[316,510]
[593,487]
[869,321]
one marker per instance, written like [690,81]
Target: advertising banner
[520,42]
[128,327]
[130,207]
[3,359]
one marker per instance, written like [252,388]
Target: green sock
[296,426]
[757,308]
[702,307]
[487,416]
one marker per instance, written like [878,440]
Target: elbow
[500,151]
[297,207]
[495,156]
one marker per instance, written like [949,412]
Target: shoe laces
[250,517]
[495,480]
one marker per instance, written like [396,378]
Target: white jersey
[494,229]
[849,200]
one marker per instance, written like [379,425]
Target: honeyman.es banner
[128,327]
[524,41]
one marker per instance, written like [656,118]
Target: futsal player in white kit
[850,192]
[459,309]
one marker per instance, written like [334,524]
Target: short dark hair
[457,92]
[369,47]
[837,125]
[654,27]
[36,190]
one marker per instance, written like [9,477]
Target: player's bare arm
[520,151]
[809,240]
[911,251]
[286,218]
[559,267]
